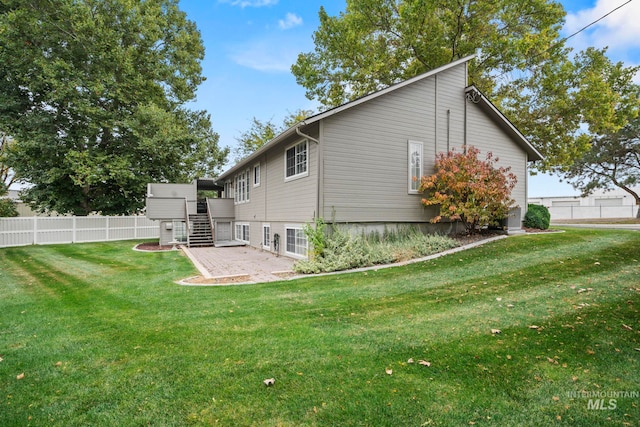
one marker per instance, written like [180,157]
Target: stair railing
[186,214]
[210,219]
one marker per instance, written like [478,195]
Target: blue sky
[251,44]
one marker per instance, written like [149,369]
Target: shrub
[468,189]
[7,206]
[316,236]
[343,251]
[537,216]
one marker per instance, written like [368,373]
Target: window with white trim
[242,232]
[256,175]
[296,241]
[227,189]
[179,231]
[241,185]
[414,165]
[266,236]
[296,160]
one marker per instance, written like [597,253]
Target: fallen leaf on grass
[555,398]
[496,331]
[410,360]
[424,363]
[627,327]
[552,360]
[20,376]
[58,363]
[388,371]
[534,327]
[269,382]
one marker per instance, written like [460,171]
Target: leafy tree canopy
[262,132]
[572,103]
[375,43]
[612,161]
[522,64]
[93,92]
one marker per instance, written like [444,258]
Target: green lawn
[104,337]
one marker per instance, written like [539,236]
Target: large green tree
[611,161]
[522,64]
[565,105]
[94,92]
[375,43]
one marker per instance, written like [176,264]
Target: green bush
[537,216]
[343,251]
[7,206]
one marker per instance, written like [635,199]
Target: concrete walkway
[234,265]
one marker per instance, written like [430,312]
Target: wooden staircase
[200,232]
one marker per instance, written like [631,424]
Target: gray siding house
[358,164]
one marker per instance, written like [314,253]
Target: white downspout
[304,135]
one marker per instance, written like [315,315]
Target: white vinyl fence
[35,230]
[592,212]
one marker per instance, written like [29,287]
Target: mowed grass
[104,337]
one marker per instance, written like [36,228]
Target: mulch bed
[153,247]
[466,239]
[538,230]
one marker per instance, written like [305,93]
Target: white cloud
[266,55]
[620,31]
[250,3]
[291,20]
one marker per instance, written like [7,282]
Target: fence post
[35,230]
[73,232]
[107,228]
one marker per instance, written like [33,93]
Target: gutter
[301,124]
[255,154]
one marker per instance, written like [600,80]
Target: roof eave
[242,163]
[532,153]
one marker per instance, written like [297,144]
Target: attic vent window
[296,161]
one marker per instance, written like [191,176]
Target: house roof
[483,101]
[478,98]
